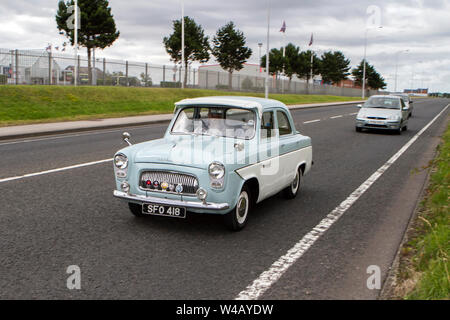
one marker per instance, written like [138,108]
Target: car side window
[402,103]
[267,125]
[284,126]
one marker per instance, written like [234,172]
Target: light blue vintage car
[219,155]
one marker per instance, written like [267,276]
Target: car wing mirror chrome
[126,137]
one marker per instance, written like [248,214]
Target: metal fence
[49,68]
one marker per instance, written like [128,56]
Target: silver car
[384,113]
[407,100]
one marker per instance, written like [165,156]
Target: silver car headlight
[216,172]
[121,161]
[393,118]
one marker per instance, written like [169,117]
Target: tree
[304,65]
[196,46]
[291,61]
[97,25]
[373,79]
[276,61]
[230,50]
[146,80]
[334,67]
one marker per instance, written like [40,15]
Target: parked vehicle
[219,155]
[383,112]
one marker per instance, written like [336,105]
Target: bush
[222,87]
[3,79]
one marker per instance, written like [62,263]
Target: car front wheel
[237,218]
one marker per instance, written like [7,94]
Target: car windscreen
[383,102]
[216,121]
[405,98]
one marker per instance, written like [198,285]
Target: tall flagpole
[267,51]
[284,55]
[182,43]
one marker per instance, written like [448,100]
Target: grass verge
[37,104]
[424,260]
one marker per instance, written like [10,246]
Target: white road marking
[352,114]
[53,137]
[312,121]
[54,170]
[279,267]
[335,117]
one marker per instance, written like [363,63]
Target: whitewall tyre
[237,218]
[292,190]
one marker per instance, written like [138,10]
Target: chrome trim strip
[170,202]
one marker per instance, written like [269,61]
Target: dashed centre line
[311,121]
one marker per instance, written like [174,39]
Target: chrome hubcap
[295,183]
[242,207]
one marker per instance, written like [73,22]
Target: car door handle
[267,164]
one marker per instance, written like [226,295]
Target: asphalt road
[54,220]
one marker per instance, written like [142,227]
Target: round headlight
[121,161]
[216,170]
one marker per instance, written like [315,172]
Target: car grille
[376,118]
[153,180]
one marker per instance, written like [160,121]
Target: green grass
[429,248]
[35,104]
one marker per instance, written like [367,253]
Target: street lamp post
[76,44]
[364,62]
[396,66]
[182,41]
[267,51]
[259,58]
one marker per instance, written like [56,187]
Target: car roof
[259,104]
[385,96]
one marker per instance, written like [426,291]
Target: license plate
[376,122]
[162,210]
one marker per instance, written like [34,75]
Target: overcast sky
[420,26]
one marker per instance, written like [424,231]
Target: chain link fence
[35,67]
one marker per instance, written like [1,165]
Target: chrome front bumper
[171,202]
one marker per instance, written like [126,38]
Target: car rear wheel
[358,129]
[237,218]
[136,209]
[293,189]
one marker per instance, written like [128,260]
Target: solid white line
[335,117]
[55,170]
[317,120]
[279,267]
[96,132]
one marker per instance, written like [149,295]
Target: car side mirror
[126,137]
[359,105]
[411,101]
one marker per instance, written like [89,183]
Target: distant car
[219,155]
[383,112]
[407,100]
